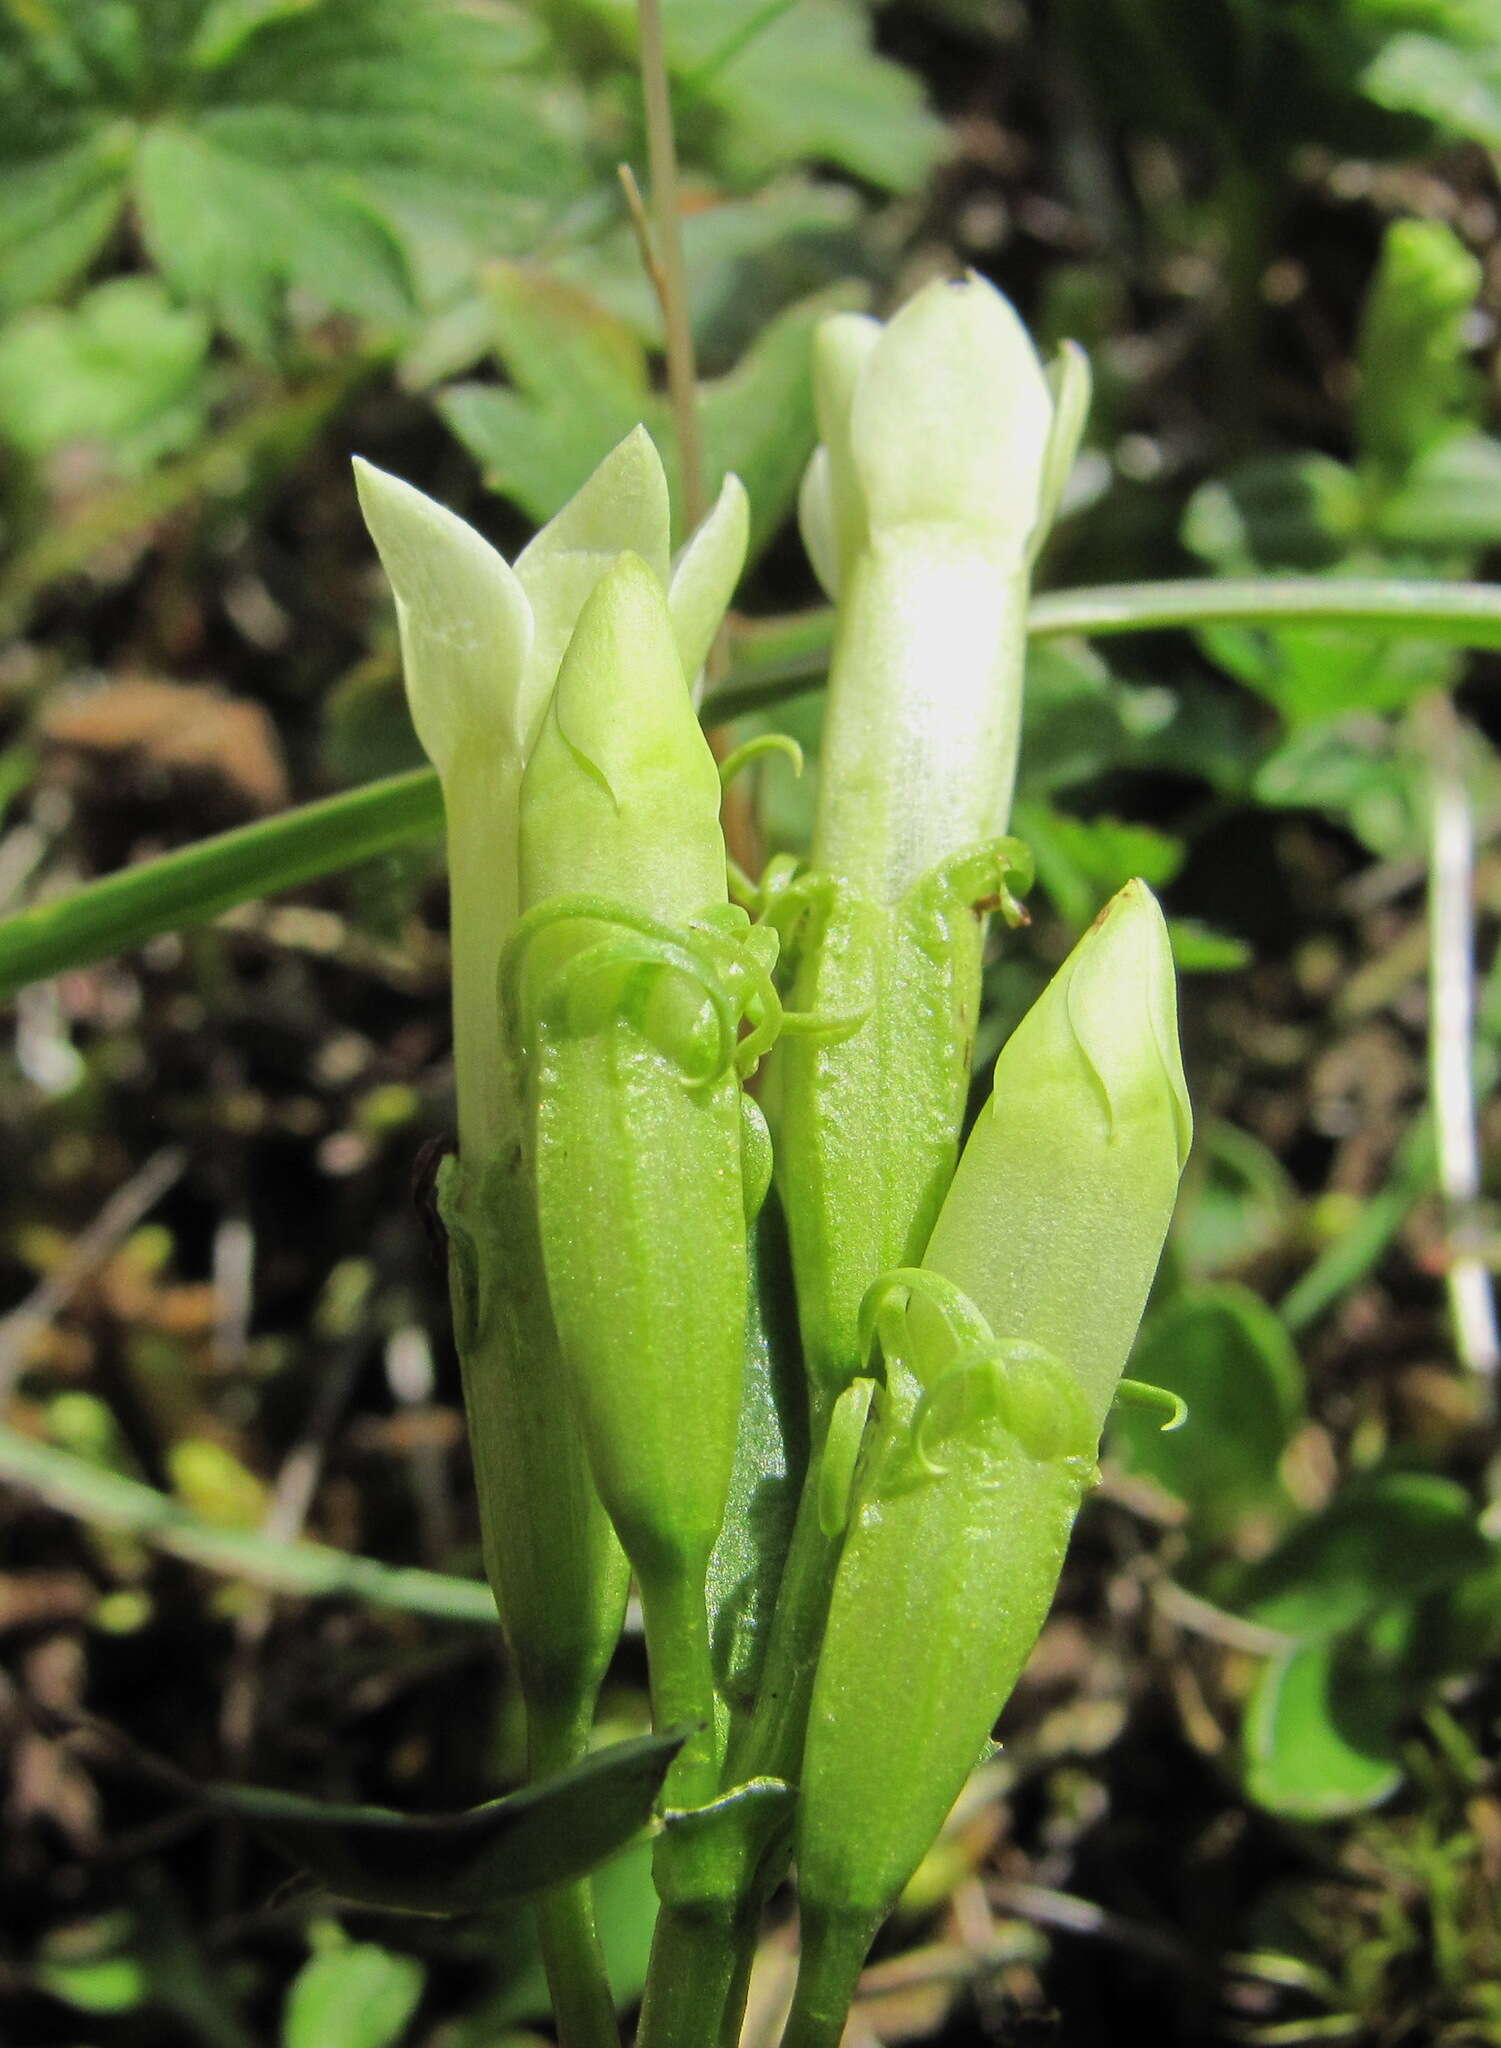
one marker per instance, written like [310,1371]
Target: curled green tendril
[601,981]
[756,749]
[752,978]
[1142,1394]
[994,875]
[651,944]
[971,1390]
[1021,1386]
[841,1455]
[829,1025]
[787,894]
[743,891]
[961,1319]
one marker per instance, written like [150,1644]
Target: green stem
[582,2003]
[701,1956]
[695,1989]
[828,1975]
[773,1742]
[675,1617]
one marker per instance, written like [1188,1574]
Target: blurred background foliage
[1248,1790]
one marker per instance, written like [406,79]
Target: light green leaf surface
[360,1996]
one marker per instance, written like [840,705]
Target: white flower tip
[464,620]
[952,415]
[705,574]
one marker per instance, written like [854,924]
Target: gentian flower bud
[922,509]
[999,1372]
[622,999]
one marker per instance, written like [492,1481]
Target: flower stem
[582,2002]
[675,1615]
[833,1955]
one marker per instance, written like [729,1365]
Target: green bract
[1002,1356]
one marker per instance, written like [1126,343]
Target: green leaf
[288,229]
[746,258]
[1199,949]
[1416,386]
[312,145]
[109,1500]
[1381,1541]
[199,881]
[1321,1733]
[1277,512]
[360,1996]
[1083,861]
[757,88]
[1229,1357]
[1237,1203]
[1455,85]
[580,382]
[1355,771]
[124,368]
[1078,719]
[464,1862]
[1448,502]
[758,420]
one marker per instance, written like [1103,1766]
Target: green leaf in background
[1447,503]
[1279,511]
[625,1905]
[1079,719]
[746,258]
[1454,83]
[580,382]
[759,86]
[464,1862]
[357,1996]
[1082,862]
[1381,1541]
[1238,1201]
[1355,770]
[1227,1354]
[1320,1735]
[146,1957]
[267,146]
[1416,384]
[1324,1725]
[124,368]
[1199,949]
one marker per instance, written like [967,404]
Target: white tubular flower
[481,644]
[942,456]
